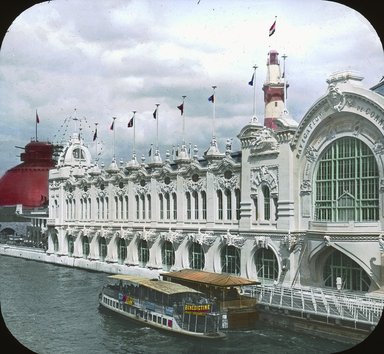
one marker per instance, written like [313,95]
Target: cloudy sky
[94,60]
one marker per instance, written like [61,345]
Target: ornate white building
[300,203]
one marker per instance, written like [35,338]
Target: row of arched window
[228,207]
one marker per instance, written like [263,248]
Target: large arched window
[347,183]
[352,276]
[266,264]
[230,260]
[168,255]
[196,256]
[143,252]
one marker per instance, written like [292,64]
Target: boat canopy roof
[161,286]
[209,278]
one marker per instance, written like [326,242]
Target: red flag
[37,118]
[181,107]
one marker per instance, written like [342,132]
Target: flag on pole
[95,135]
[150,151]
[37,117]
[251,82]
[272,29]
[181,107]
[211,98]
[112,125]
[155,114]
[130,123]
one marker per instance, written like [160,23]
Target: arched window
[174,201]
[149,206]
[228,197]
[85,245]
[195,196]
[137,207]
[347,183]
[188,197]
[126,207]
[230,260]
[196,256]
[168,255]
[238,200]
[353,277]
[142,198]
[121,205]
[116,208]
[161,201]
[267,203]
[121,250]
[102,249]
[204,205]
[220,204]
[143,252]
[266,264]
[167,205]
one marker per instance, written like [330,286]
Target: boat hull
[152,319]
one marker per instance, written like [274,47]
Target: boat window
[170,323]
[164,321]
[159,320]
[154,318]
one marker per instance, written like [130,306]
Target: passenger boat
[163,305]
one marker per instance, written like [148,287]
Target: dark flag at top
[181,107]
[130,123]
[95,135]
[251,82]
[155,114]
[211,98]
[112,125]
[37,118]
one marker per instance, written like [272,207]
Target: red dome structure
[27,183]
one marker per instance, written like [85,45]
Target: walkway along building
[300,203]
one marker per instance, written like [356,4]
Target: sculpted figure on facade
[264,175]
[264,141]
[381,243]
[262,241]
[336,99]
[201,238]
[175,237]
[305,187]
[232,240]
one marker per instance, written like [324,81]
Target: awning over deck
[161,286]
[208,278]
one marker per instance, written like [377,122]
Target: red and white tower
[273,91]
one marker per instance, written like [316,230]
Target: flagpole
[284,56]
[36,126]
[214,111]
[183,120]
[114,136]
[134,133]
[254,93]
[157,126]
[96,140]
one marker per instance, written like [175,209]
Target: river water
[54,309]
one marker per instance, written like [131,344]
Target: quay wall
[92,265]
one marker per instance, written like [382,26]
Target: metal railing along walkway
[352,306]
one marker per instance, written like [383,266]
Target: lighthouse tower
[273,91]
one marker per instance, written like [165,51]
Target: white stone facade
[294,206]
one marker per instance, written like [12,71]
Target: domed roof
[27,183]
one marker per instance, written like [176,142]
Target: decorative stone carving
[206,239]
[262,241]
[290,241]
[327,240]
[305,187]
[264,141]
[147,235]
[226,183]
[264,175]
[127,234]
[176,237]
[232,240]
[166,188]
[197,186]
[336,99]
[311,154]
[378,148]
[381,243]
[141,189]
